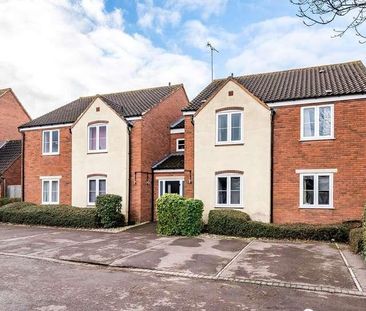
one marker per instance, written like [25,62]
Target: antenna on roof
[209,45]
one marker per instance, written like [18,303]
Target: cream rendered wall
[114,163]
[253,157]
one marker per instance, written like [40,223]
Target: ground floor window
[97,185]
[229,190]
[316,190]
[171,186]
[50,190]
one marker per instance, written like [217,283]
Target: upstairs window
[180,144]
[97,140]
[51,142]
[229,127]
[317,122]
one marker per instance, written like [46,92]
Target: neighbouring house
[10,168]
[287,146]
[101,144]
[12,115]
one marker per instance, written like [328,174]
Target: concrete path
[311,266]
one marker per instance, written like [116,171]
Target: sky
[54,51]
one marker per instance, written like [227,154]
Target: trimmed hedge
[5,201]
[108,209]
[179,216]
[228,223]
[49,215]
[364,234]
[356,240]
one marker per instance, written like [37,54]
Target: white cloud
[206,7]
[285,42]
[54,51]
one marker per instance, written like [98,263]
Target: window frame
[229,140]
[164,180]
[316,204]
[177,144]
[228,191]
[97,190]
[50,179]
[50,142]
[316,123]
[97,126]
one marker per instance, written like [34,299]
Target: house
[10,168]
[101,144]
[287,146]
[12,115]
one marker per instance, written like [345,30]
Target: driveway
[322,267]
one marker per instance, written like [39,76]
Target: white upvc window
[229,127]
[229,190]
[171,185]
[51,142]
[97,185]
[316,190]
[180,144]
[50,189]
[317,122]
[97,137]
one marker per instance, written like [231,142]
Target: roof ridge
[299,68]
[136,90]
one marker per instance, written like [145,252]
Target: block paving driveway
[319,267]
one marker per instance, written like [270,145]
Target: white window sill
[229,143]
[316,138]
[50,203]
[229,206]
[97,151]
[51,154]
[316,207]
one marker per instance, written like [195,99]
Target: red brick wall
[347,153]
[150,142]
[188,157]
[36,165]
[12,176]
[173,141]
[12,115]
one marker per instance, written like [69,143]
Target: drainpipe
[273,112]
[152,195]
[22,169]
[129,176]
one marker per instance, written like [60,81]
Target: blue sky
[57,50]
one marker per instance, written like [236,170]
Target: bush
[4,201]
[49,215]
[108,208]
[356,240]
[229,223]
[364,234]
[179,216]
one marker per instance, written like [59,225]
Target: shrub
[356,240]
[108,208]
[179,216]
[229,223]
[4,201]
[364,234]
[49,215]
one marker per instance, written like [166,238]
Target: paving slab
[205,256]
[308,263]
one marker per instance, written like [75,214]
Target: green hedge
[179,216]
[364,234]
[49,215]
[229,223]
[108,209]
[356,240]
[4,201]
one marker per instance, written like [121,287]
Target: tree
[324,12]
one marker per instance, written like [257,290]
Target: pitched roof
[9,152]
[126,104]
[179,124]
[174,161]
[295,84]
[3,91]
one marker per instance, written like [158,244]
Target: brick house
[287,146]
[12,115]
[101,144]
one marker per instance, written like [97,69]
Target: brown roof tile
[9,152]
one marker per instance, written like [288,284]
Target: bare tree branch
[324,12]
